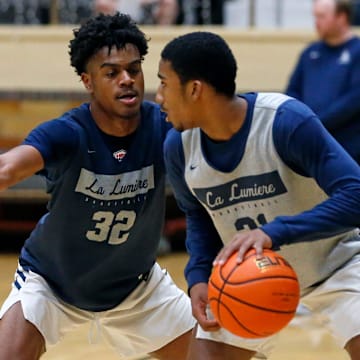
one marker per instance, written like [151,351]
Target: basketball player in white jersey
[258,170]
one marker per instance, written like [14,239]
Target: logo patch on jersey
[314,55]
[119,155]
[345,57]
[115,187]
[249,188]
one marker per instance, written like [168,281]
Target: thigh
[175,350]
[19,339]
[336,302]
[41,308]
[156,314]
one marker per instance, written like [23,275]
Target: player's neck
[114,125]
[225,118]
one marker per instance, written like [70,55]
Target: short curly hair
[104,31]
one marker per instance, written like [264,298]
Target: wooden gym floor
[294,344]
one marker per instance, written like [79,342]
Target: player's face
[173,98]
[326,19]
[115,81]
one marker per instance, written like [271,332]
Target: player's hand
[242,242]
[199,302]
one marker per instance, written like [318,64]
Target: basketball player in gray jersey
[92,257]
[258,170]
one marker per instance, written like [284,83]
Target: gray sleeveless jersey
[260,188]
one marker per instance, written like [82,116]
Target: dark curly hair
[104,30]
[203,55]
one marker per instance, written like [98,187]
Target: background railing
[285,14]
[35,12]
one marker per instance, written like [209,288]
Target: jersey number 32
[110,227]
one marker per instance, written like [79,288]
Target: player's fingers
[241,253]
[217,259]
[199,313]
[244,246]
[255,239]
[209,325]
[212,328]
[224,254]
[259,250]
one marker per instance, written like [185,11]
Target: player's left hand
[199,302]
[242,242]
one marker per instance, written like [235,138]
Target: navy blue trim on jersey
[306,147]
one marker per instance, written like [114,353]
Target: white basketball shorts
[153,315]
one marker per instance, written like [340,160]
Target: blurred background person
[327,74]
[209,12]
[161,12]
[202,12]
[107,7]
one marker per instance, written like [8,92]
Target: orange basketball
[256,298]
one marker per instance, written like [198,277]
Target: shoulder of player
[296,106]
[151,113]
[74,117]
[153,120]
[173,148]
[173,139]
[64,129]
[151,110]
[65,122]
[270,100]
[288,110]
[292,113]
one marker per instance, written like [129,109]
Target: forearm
[202,243]
[17,164]
[338,214]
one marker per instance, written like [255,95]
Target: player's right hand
[199,302]
[242,242]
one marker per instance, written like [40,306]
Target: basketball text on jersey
[247,188]
[114,187]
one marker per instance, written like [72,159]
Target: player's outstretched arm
[19,163]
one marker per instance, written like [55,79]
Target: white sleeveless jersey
[260,188]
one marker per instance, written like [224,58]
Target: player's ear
[196,89]
[85,78]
